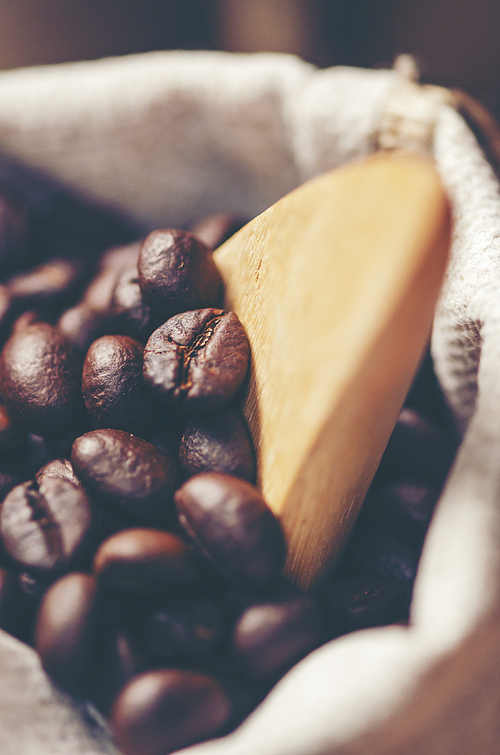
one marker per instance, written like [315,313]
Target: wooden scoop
[336,285]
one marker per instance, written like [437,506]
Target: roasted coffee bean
[213,230]
[183,630]
[47,526]
[59,469]
[131,315]
[82,325]
[113,388]
[99,292]
[177,273]
[197,360]
[51,285]
[417,450]
[233,527]
[146,560]
[40,380]
[129,473]
[67,630]
[219,442]
[162,711]
[363,602]
[12,436]
[401,509]
[274,632]
[379,554]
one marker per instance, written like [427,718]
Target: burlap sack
[169,137]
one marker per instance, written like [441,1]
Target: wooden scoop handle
[336,285]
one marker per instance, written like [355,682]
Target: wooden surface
[336,286]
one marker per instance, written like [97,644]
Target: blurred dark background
[455,42]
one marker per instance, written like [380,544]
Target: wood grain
[336,285]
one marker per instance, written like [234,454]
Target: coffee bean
[131,315]
[417,450]
[129,473]
[162,711]
[146,560]
[113,387]
[47,526]
[177,273]
[233,527]
[219,442]
[401,509]
[363,602]
[274,632]
[40,380]
[197,360]
[182,629]
[59,469]
[82,325]
[48,286]
[67,630]
[99,292]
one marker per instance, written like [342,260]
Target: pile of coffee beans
[136,554]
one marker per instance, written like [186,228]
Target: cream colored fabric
[168,137]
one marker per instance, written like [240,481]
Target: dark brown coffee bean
[162,711]
[274,632]
[183,630]
[379,554]
[401,509]
[59,469]
[417,450]
[40,380]
[131,315]
[363,602]
[213,230]
[219,442]
[177,273]
[67,630]
[233,527]
[197,360]
[82,325]
[113,387]
[146,560]
[47,526]
[99,292]
[129,473]
[50,285]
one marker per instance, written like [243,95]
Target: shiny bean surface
[177,273]
[162,711]
[233,527]
[129,473]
